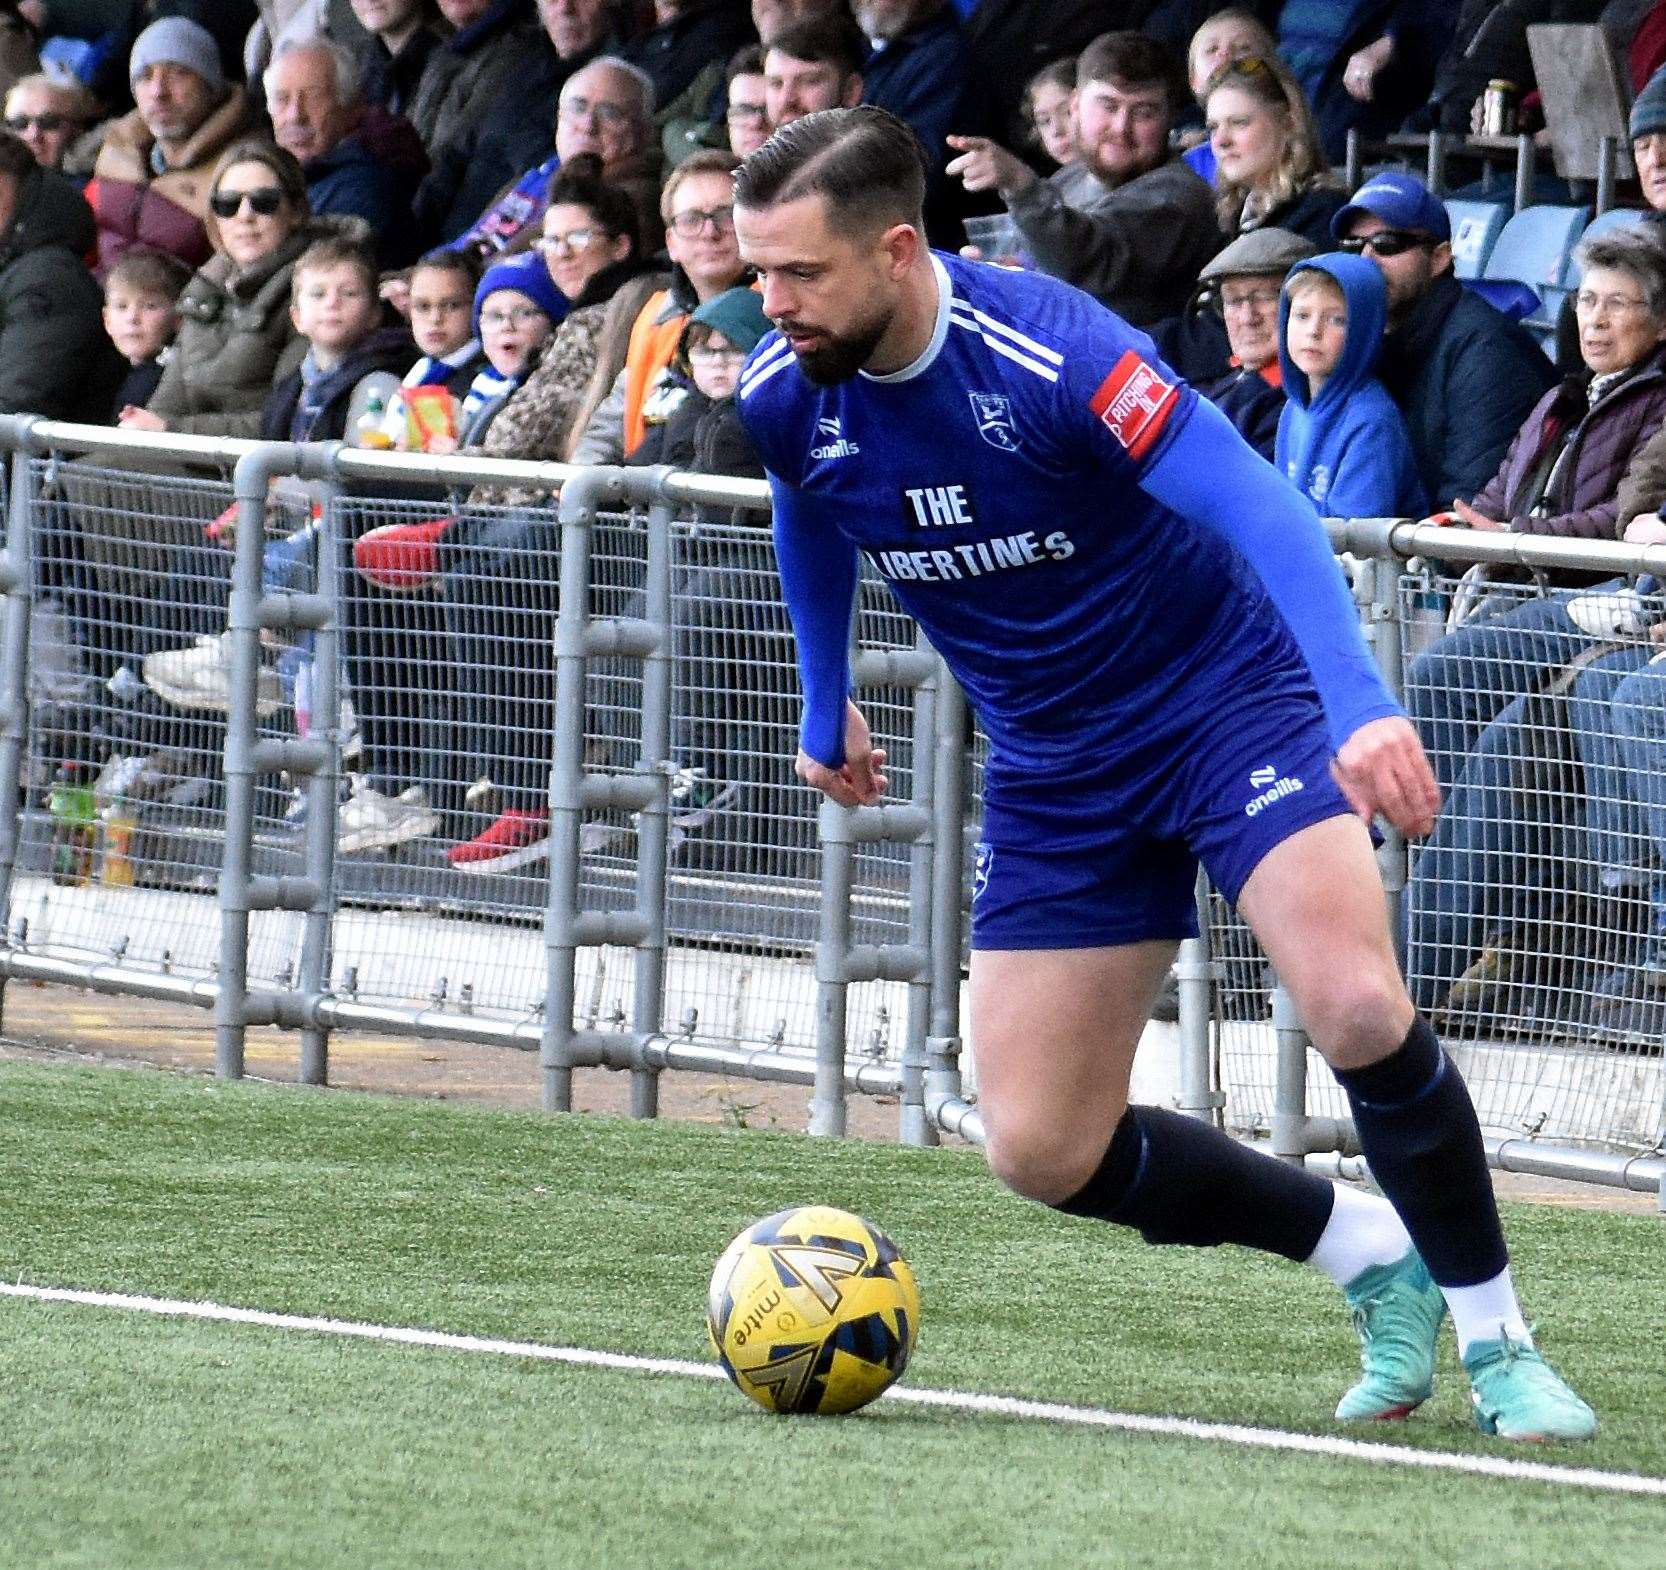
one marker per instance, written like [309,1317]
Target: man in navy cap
[1463,374]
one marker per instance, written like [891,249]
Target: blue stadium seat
[1514,299]
[1614,218]
[1534,248]
[1475,230]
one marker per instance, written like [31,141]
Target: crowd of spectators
[505,227]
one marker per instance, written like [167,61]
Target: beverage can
[1498,108]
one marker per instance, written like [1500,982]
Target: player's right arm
[818,568]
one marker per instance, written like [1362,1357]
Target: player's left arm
[1206,472]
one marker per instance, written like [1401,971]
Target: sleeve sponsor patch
[1134,403]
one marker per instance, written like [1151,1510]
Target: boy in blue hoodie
[1341,440]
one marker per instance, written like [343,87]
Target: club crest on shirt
[994,415]
[1134,403]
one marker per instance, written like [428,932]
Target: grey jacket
[1137,247]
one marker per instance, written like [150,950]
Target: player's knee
[1358,1018]
[1045,1164]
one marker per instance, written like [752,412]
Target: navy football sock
[1176,1180]
[1418,1130]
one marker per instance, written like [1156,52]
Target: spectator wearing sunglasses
[236,338]
[1463,374]
[150,182]
[49,115]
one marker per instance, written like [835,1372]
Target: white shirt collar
[939,333]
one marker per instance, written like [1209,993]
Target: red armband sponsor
[1134,403]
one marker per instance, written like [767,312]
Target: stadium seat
[1614,218]
[1514,299]
[1534,248]
[1475,230]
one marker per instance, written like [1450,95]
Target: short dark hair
[748,60]
[579,183]
[1129,59]
[148,272]
[865,162]
[460,264]
[831,38]
[334,251]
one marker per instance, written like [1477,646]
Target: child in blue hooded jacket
[1341,440]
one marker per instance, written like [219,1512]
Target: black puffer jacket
[54,357]
[702,437]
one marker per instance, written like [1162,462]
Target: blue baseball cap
[1401,200]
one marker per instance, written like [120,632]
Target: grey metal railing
[666,906]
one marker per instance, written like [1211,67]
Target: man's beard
[842,355]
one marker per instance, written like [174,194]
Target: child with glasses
[439,302]
[141,316]
[516,308]
[704,433]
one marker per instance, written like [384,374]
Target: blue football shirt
[1067,521]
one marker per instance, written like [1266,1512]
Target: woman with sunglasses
[1270,169]
[235,337]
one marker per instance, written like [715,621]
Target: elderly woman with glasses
[1269,168]
[236,339]
[1505,702]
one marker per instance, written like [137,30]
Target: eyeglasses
[694,221]
[512,318]
[710,354]
[1255,300]
[1389,242]
[1607,304]
[747,114]
[264,200]
[41,122]
[572,242]
[585,108]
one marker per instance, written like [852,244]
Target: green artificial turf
[129,1441]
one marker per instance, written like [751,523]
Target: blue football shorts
[1114,860]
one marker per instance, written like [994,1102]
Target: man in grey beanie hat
[177,41]
[150,184]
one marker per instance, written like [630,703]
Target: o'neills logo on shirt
[1133,403]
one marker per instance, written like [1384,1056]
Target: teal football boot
[1397,1312]
[1519,1396]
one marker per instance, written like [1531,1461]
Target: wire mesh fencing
[1533,918]
[1533,921]
[129,574]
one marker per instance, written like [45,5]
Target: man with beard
[1163,653]
[1124,220]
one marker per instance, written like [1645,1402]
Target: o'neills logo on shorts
[1273,788]
[1134,403]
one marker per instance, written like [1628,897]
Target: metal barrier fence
[500,752]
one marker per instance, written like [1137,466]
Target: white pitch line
[1506,1467]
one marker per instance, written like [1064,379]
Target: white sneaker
[371,821]
[200,677]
